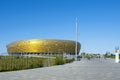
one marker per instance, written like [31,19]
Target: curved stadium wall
[42,47]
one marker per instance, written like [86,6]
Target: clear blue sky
[99,22]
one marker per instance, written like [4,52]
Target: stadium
[37,47]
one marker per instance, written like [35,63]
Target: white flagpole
[76,38]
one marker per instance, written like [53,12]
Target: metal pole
[76,38]
[48,57]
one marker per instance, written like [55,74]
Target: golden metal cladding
[43,46]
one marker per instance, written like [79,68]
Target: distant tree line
[87,55]
[96,55]
[109,55]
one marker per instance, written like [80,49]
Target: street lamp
[48,56]
[59,52]
[76,38]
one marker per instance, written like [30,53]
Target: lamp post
[48,56]
[48,51]
[76,38]
[60,52]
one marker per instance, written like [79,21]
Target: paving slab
[94,69]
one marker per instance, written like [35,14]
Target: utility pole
[76,38]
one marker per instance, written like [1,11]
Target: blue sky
[99,22]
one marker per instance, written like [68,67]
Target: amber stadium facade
[38,47]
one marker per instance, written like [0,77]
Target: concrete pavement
[94,69]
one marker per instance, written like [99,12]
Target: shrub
[12,63]
[59,61]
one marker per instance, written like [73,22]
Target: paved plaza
[94,69]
